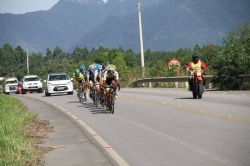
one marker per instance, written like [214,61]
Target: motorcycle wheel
[200,90]
[194,94]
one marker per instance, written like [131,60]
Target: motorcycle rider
[195,63]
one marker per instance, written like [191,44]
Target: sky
[24,6]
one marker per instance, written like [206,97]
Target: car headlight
[69,83]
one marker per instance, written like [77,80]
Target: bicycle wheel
[80,93]
[96,100]
[111,102]
[85,96]
[94,96]
[101,99]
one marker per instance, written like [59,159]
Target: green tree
[196,49]
[234,59]
[49,55]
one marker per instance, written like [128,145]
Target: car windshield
[11,82]
[57,77]
[31,79]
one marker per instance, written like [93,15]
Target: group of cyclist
[98,76]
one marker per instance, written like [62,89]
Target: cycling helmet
[111,67]
[77,71]
[105,66]
[91,66]
[97,66]
[82,67]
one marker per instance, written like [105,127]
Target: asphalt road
[165,126]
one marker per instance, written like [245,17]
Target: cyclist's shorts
[91,82]
[80,81]
[109,80]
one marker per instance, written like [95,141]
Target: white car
[58,83]
[11,85]
[32,83]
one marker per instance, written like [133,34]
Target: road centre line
[203,112]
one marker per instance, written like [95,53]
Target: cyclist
[84,73]
[78,78]
[111,77]
[91,78]
[97,76]
[102,72]
[195,64]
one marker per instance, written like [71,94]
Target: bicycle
[111,99]
[82,93]
[94,96]
[101,96]
[85,93]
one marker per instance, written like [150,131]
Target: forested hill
[171,25]
[167,24]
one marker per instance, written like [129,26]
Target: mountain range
[166,24]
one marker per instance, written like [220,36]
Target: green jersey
[78,77]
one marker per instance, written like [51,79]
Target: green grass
[16,148]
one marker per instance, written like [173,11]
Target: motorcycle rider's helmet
[196,57]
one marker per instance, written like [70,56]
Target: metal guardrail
[180,79]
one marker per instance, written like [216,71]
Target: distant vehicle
[32,83]
[57,83]
[19,88]
[11,85]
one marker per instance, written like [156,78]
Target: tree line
[226,62]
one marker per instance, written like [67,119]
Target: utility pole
[27,62]
[141,39]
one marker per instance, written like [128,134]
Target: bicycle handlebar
[112,86]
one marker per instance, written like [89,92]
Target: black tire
[85,96]
[47,94]
[200,90]
[70,93]
[93,96]
[40,90]
[23,92]
[194,92]
[79,95]
[101,99]
[111,103]
[96,100]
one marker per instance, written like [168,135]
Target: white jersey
[111,75]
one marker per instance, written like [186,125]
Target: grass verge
[19,134]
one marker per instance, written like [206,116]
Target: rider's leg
[106,95]
[97,87]
[190,82]
[204,81]
[115,88]
[76,88]
[91,88]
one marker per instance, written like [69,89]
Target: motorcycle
[197,83]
